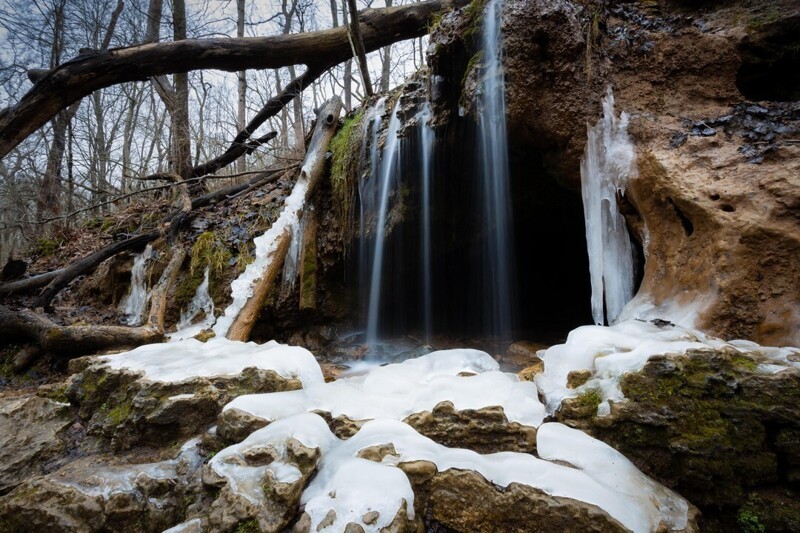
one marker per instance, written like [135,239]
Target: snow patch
[413,386]
[189,358]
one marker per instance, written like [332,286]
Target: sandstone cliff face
[716,205]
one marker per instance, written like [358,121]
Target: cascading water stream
[496,196]
[367,191]
[135,303]
[426,151]
[388,167]
[607,165]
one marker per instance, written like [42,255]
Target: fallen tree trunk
[28,284]
[158,296]
[71,341]
[89,72]
[310,174]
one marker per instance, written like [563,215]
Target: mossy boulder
[709,424]
[128,409]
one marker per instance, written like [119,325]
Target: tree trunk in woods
[181,133]
[71,341]
[241,108]
[386,65]
[319,50]
[357,42]
[311,171]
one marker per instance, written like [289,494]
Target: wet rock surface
[31,438]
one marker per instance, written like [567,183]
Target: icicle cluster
[608,164]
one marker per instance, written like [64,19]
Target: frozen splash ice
[607,166]
[135,303]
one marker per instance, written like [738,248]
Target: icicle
[135,303]
[608,164]
[200,302]
[290,264]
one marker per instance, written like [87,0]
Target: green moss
[345,149]
[473,17]
[209,252]
[589,398]
[749,522]
[120,413]
[44,247]
[248,526]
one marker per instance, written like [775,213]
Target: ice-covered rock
[85,497]
[462,379]
[607,353]
[160,392]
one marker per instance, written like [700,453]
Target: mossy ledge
[711,426]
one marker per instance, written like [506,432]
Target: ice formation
[290,264]
[266,244]
[608,164]
[189,358]
[201,302]
[135,303]
[105,481]
[413,386]
[230,464]
[610,352]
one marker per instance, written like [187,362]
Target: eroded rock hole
[728,208]
[714,197]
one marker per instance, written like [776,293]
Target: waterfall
[607,165]
[200,302]
[135,303]
[426,136]
[494,159]
[385,172]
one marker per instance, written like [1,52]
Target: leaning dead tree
[310,175]
[318,50]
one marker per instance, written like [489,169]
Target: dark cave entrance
[550,277]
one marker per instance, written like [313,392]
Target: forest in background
[124,143]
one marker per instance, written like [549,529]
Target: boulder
[31,437]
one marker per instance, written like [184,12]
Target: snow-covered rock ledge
[160,392]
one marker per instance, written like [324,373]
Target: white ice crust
[413,386]
[610,352]
[308,429]
[185,359]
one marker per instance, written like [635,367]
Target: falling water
[200,302]
[494,158]
[367,191]
[607,165]
[426,151]
[135,303]
[387,169]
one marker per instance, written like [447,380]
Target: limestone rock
[87,497]
[484,430]
[127,408]
[30,437]
[712,425]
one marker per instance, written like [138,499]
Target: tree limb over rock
[322,49]
[70,341]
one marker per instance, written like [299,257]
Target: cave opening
[770,68]
[550,277]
